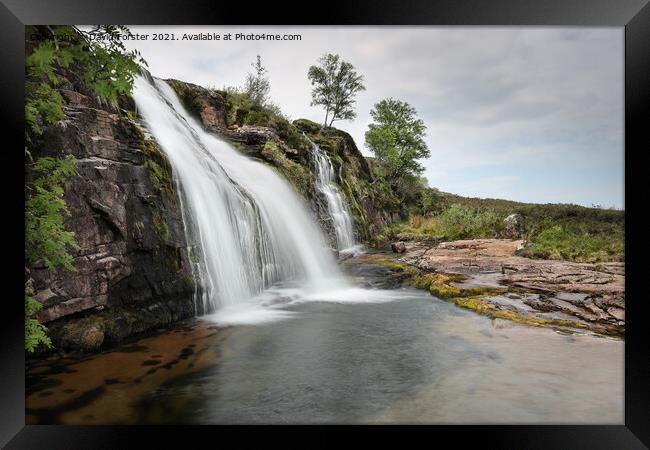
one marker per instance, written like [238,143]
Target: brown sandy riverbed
[102,388]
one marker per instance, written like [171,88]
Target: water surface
[368,356]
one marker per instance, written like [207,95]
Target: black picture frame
[633,15]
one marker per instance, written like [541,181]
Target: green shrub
[462,222]
[307,126]
[238,104]
[290,134]
[259,118]
[556,231]
[35,332]
[561,243]
[299,176]
[242,110]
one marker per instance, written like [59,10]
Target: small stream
[360,356]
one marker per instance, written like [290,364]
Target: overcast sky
[531,114]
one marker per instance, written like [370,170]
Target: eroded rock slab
[589,294]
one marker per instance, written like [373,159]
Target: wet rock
[91,339]
[75,98]
[591,293]
[85,334]
[132,250]
[208,105]
[46,296]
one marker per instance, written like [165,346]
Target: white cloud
[498,102]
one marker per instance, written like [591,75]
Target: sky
[532,114]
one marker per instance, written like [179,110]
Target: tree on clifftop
[336,83]
[397,139]
[257,84]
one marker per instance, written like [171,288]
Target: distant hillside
[554,231]
[501,204]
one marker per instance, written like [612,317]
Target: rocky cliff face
[132,268]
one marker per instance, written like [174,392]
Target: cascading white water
[250,228]
[336,206]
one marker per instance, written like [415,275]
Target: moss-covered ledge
[96,330]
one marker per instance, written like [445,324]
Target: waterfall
[248,228]
[336,206]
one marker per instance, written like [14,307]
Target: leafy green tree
[257,85]
[97,62]
[336,84]
[397,139]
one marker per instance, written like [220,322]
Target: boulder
[398,247]
[513,227]
[84,334]
[523,244]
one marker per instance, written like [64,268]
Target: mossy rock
[474,299]
[160,224]
[299,176]
[439,284]
[86,334]
[95,330]
[291,135]
[307,126]
[188,98]
[256,118]
[480,306]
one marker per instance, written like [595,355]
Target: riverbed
[364,355]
